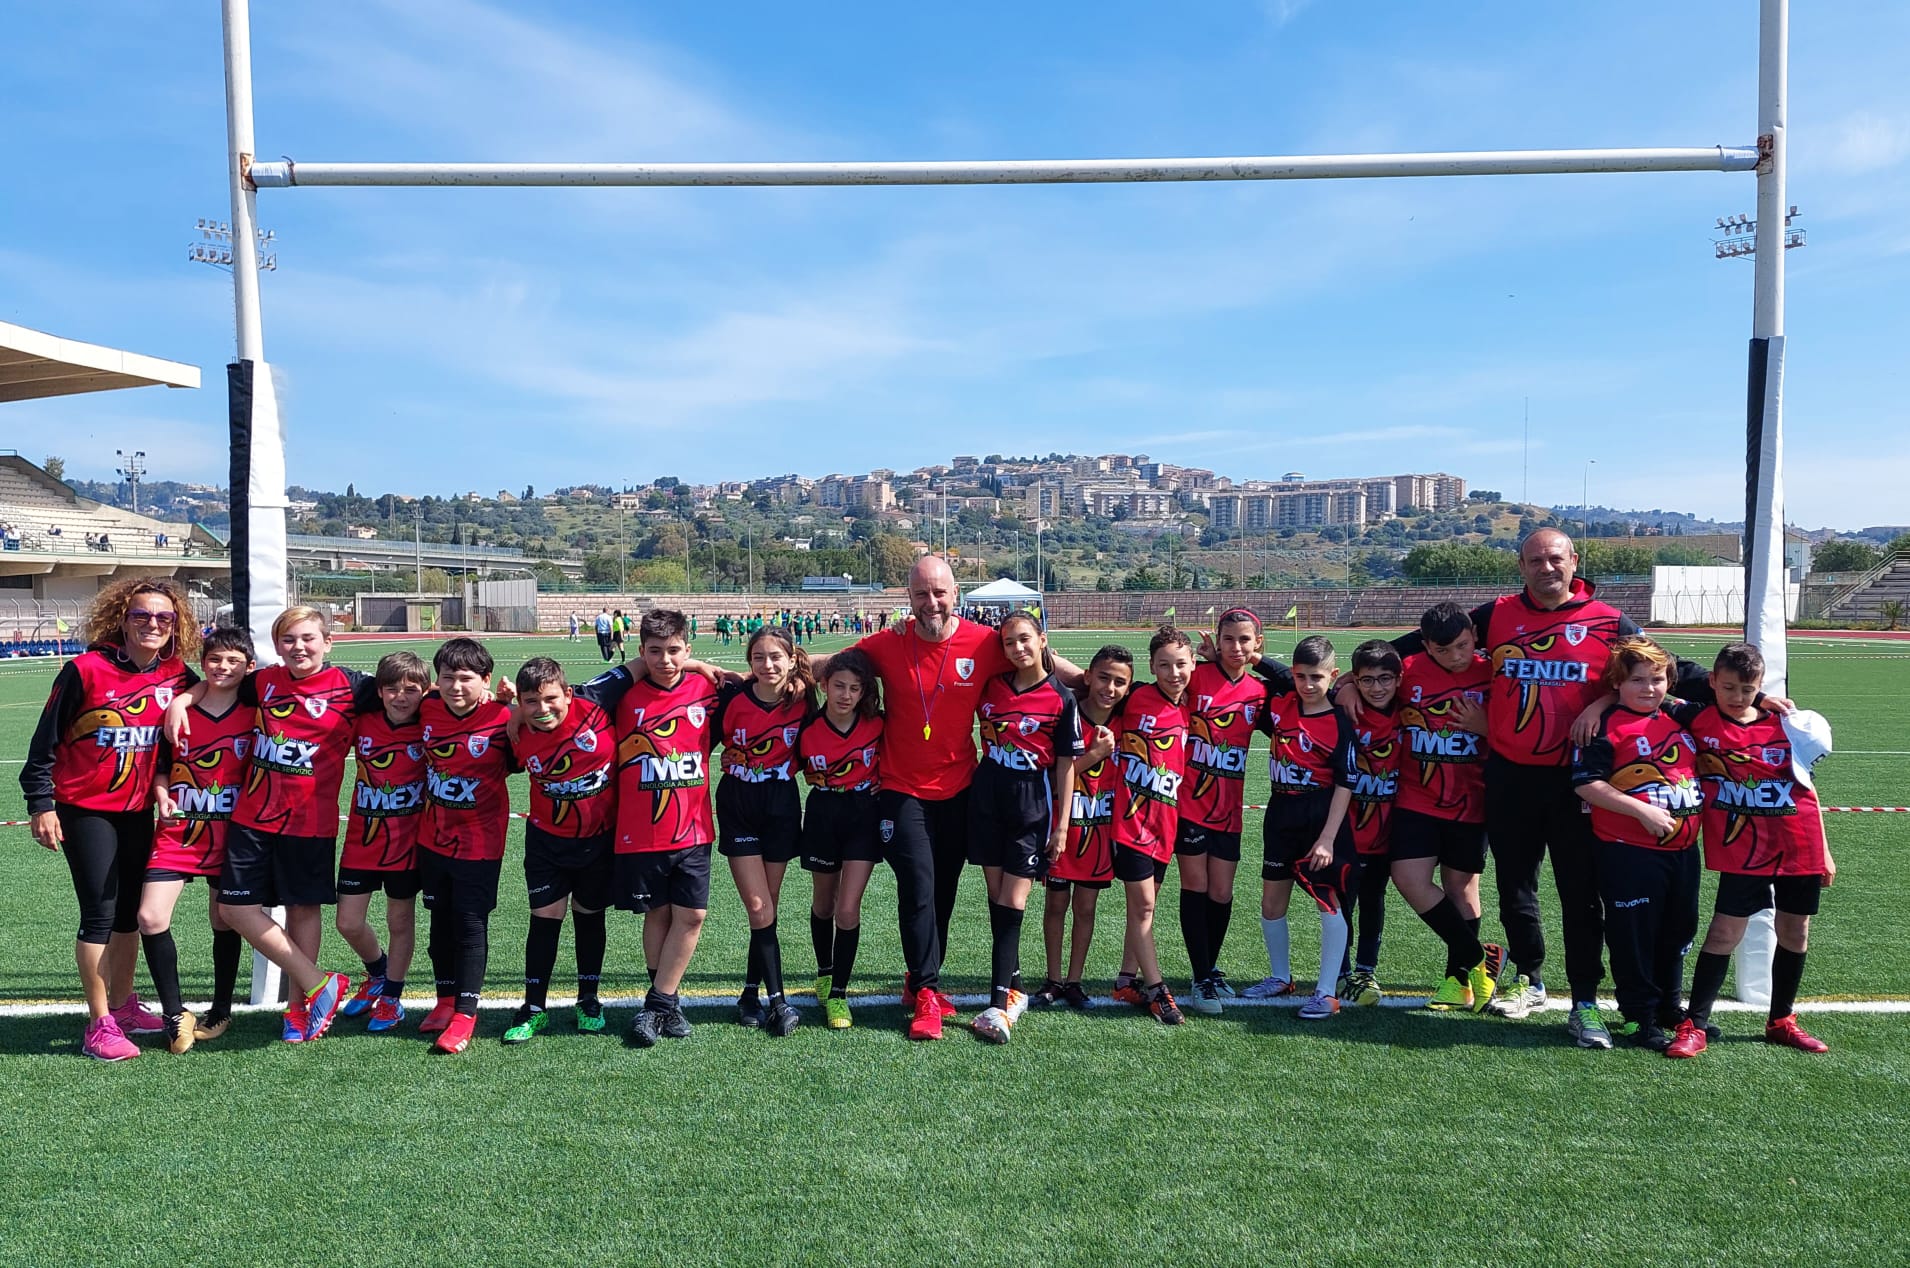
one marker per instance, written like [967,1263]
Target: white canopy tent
[1003,591]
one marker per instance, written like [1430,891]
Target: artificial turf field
[1099,1138]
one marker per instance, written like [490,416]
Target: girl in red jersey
[196,788]
[1085,866]
[1020,802]
[1151,748]
[284,828]
[88,781]
[1639,775]
[839,749]
[758,811]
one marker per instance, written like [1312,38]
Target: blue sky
[439,340]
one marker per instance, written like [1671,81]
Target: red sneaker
[1786,1033]
[440,1015]
[1688,1041]
[1130,994]
[944,1003]
[456,1035]
[926,1023]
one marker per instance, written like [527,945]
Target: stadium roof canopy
[34,364]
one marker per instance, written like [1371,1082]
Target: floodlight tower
[214,246]
[131,467]
[1739,240]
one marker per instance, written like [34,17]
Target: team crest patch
[868,756]
[316,706]
[587,740]
[1474,697]
[1306,742]
[477,744]
[242,746]
[1246,713]
[1575,634]
[1030,725]
[697,714]
[163,696]
[1776,756]
[415,752]
[532,765]
[790,733]
[887,829]
[965,667]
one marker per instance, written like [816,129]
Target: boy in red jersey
[467,814]
[1151,746]
[1224,699]
[195,789]
[1373,781]
[284,830]
[1439,812]
[1639,774]
[1307,837]
[567,742]
[664,824]
[839,749]
[1086,866]
[381,837]
[1763,835]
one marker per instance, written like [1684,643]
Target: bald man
[1548,645]
[933,668]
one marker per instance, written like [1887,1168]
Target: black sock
[588,928]
[394,989]
[540,959]
[822,937]
[847,941]
[1787,971]
[1707,979]
[662,1001]
[225,969]
[1472,923]
[1460,935]
[375,968]
[651,971]
[753,968]
[473,951]
[767,952]
[442,949]
[1219,913]
[162,960]
[1004,923]
[1193,931]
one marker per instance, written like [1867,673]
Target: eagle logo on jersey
[379,797]
[1205,752]
[198,804]
[1682,797]
[1376,778]
[1434,742]
[663,771]
[1145,770]
[121,731]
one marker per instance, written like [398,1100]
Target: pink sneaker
[134,1020]
[105,1041]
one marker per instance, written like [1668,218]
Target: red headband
[1234,614]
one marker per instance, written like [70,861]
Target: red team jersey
[1220,726]
[1307,753]
[387,800]
[1089,855]
[1759,819]
[1026,732]
[947,677]
[1373,775]
[302,731]
[759,740]
[572,770]
[204,780]
[107,757]
[1443,771]
[467,760]
[1150,747]
[839,762]
[664,739]
[1649,757]
[1548,666]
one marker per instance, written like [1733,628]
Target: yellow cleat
[1452,994]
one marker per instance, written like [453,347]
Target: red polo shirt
[936,686]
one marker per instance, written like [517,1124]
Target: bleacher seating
[31,508]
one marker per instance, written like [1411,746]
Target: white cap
[1809,733]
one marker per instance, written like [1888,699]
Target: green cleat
[527,1025]
[1479,978]
[1587,1028]
[590,1016]
[825,982]
[835,1011]
[1452,993]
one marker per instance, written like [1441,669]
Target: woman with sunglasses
[88,781]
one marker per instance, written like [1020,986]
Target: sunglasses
[140,616]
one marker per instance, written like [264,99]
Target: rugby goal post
[258,456]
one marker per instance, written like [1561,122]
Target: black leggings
[106,850]
[459,947]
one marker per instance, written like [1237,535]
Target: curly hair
[106,619]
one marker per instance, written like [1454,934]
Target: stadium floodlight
[215,248]
[131,467]
[1740,236]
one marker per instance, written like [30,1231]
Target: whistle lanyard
[928,699]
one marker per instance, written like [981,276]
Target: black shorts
[758,819]
[271,869]
[162,875]
[577,868]
[400,886]
[1286,845]
[838,828]
[1057,886]
[1131,864]
[1009,819]
[458,885]
[1744,896]
[663,878]
[1197,840]
[1459,847]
